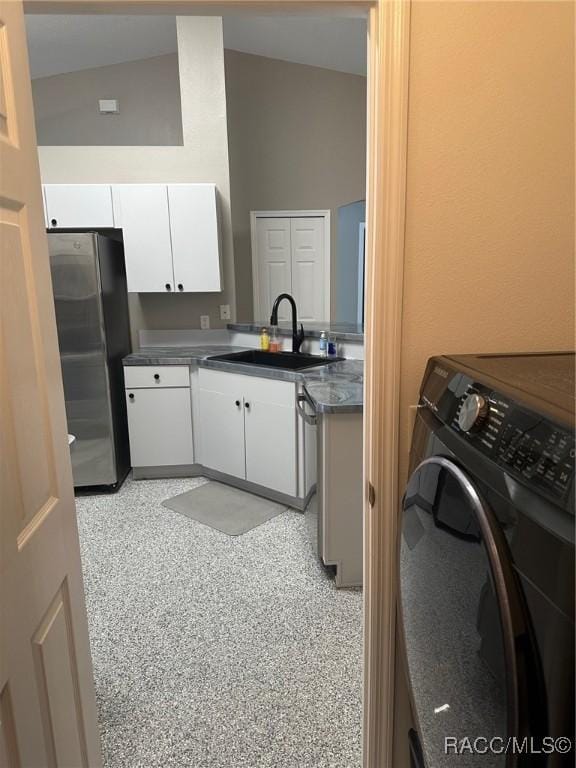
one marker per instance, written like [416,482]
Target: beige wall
[490,190]
[202,158]
[148,92]
[297,137]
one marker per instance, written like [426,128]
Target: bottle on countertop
[324,343]
[331,348]
[264,340]
[274,340]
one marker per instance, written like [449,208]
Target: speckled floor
[213,651]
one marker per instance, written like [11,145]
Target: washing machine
[486,563]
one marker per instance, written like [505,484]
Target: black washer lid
[547,376]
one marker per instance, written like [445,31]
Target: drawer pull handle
[54,222]
[131,396]
[237,403]
[180,287]
[157,376]
[168,287]
[247,406]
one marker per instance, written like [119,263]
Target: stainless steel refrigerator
[91,300]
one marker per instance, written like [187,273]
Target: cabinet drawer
[159,376]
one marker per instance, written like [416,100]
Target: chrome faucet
[297,335]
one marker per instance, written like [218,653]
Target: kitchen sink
[290,361]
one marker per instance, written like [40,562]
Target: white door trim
[254,215]
[361,271]
[388,78]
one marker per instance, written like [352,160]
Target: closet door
[308,267]
[273,272]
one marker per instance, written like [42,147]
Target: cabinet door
[81,206]
[270,437]
[270,434]
[142,212]
[160,427]
[222,432]
[273,268]
[195,237]
[308,268]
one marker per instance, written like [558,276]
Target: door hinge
[371,495]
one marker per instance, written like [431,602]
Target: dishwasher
[339,466]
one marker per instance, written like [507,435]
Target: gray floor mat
[227,509]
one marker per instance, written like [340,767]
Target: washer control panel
[524,443]
[527,445]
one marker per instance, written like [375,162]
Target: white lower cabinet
[160,426]
[244,427]
[222,432]
[248,429]
[270,440]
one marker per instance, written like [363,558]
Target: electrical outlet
[224,311]
[204,322]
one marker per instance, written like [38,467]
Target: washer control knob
[473,413]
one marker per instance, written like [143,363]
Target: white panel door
[271,447]
[160,427]
[222,432]
[195,237]
[47,703]
[274,266]
[81,206]
[143,214]
[308,260]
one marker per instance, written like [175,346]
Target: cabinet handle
[247,406]
[237,403]
[157,376]
[54,222]
[168,287]
[180,287]
[131,396]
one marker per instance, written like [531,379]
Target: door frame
[387,133]
[361,271]
[254,215]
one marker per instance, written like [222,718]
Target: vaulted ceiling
[59,43]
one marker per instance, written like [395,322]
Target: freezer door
[80,321]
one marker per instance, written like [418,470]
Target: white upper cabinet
[142,212]
[195,237]
[79,206]
[171,232]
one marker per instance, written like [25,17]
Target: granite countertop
[333,388]
[177,355]
[336,388]
[338,331]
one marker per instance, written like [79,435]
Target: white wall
[202,158]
